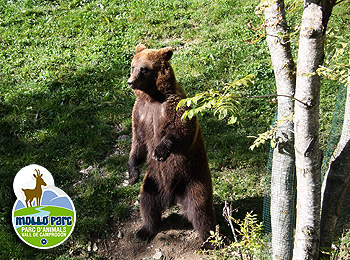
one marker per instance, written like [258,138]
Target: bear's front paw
[162,152]
[133,180]
[133,175]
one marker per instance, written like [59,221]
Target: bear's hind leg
[199,211]
[151,210]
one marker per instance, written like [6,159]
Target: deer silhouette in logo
[37,192]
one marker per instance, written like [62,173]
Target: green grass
[64,100]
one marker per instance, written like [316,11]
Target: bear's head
[151,72]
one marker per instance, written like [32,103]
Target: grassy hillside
[65,104]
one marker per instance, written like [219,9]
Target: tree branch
[307,104]
[227,212]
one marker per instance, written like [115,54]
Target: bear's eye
[144,70]
[132,69]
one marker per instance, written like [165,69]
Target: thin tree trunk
[283,163]
[308,165]
[336,182]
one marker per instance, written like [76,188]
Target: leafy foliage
[249,244]
[339,73]
[224,103]
[335,67]
[250,229]
[263,137]
[270,133]
[341,248]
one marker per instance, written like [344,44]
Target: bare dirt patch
[176,240]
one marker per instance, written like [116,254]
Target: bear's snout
[130,83]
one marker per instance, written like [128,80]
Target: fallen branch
[227,213]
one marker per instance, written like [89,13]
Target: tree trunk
[308,165]
[336,182]
[283,163]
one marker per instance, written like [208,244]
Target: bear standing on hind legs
[172,148]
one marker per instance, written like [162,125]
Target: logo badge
[43,215]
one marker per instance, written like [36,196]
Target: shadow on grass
[64,125]
[240,209]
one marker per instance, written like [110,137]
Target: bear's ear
[166,53]
[140,48]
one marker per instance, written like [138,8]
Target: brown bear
[173,149]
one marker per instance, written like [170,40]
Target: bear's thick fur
[177,164]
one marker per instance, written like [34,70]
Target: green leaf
[232,120]
[190,114]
